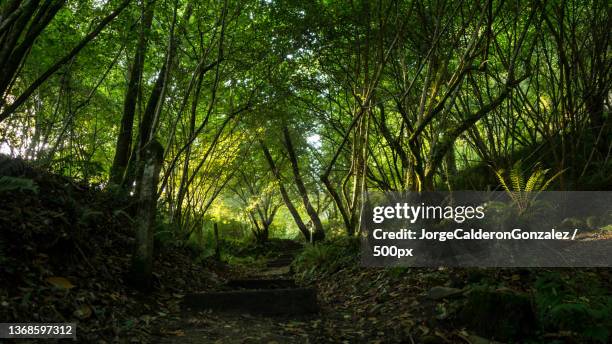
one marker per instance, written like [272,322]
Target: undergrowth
[325,258]
[578,304]
[568,304]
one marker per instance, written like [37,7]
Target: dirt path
[264,307]
[224,327]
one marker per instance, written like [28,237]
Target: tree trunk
[319,232]
[145,134]
[450,166]
[124,138]
[217,245]
[359,167]
[142,263]
[294,213]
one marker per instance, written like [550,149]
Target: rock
[440,292]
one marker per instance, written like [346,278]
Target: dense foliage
[279,114]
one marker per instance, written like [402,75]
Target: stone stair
[270,292]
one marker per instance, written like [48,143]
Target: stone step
[261,284]
[266,301]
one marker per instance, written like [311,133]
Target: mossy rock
[499,314]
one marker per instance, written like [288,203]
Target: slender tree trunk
[183,186]
[359,166]
[285,195]
[217,244]
[142,263]
[124,138]
[319,232]
[150,117]
[450,165]
[145,131]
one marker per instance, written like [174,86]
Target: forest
[196,171]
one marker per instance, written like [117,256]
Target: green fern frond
[536,180]
[551,179]
[502,180]
[515,196]
[516,176]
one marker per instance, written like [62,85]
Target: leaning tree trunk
[319,232]
[285,195]
[142,263]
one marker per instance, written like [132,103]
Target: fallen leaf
[83,312]
[178,333]
[60,282]
[437,293]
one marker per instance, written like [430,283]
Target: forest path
[265,306]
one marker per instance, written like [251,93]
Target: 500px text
[392,251]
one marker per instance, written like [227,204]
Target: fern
[516,176]
[500,176]
[547,183]
[8,184]
[535,180]
[326,257]
[524,192]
